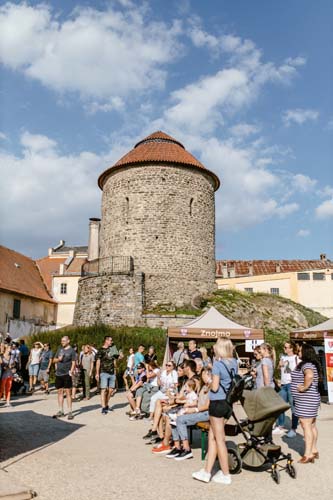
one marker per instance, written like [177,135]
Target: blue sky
[246,86]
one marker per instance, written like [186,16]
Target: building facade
[308,282]
[61,271]
[26,305]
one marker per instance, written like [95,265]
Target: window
[303,276]
[63,288]
[318,276]
[16,309]
[248,290]
[275,291]
[191,204]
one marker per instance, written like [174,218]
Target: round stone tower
[158,208]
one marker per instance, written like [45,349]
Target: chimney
[251,268]
[62,269]
[278,267]
[232,272]
[225,270]
[323,256]
[93,245]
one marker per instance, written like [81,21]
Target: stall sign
[251,344]
[329,367]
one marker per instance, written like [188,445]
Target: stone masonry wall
[110,299]
[164,217]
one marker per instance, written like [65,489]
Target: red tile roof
[260,267]
[47,267]
[158,148]
[20,274]
[76,265]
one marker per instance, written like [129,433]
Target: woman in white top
[33,364]
[129,372]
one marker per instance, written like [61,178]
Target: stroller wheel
[291,471]
[234,458]
[276,475]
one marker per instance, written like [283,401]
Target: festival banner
[329,367]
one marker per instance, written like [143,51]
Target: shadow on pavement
[296,443]
[23,432]
[85,409]
[26,401]
[118,406]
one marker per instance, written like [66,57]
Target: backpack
[236,386]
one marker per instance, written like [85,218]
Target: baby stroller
[262,407]
[18,386]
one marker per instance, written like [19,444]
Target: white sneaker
[202,475]
[221,478]
[291,434]
[7,405]
[278,430]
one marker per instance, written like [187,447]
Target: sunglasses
[168,365]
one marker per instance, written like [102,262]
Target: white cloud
[197,105]
[325,209]
[327,191]
[303,183]
[101,55]
[206,103]
[329,125]
[3,137]
[45,195]
[299,116]
[35,143]
[303,233]
[250,192]
[242,130]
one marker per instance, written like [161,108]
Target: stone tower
[158,212]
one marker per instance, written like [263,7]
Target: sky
[245,86]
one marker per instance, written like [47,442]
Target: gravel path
[104,457]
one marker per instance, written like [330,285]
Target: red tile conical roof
[158,148]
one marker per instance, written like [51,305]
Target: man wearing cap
[105,371]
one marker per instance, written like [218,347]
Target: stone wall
[111,299]
[166,321]
[164,217]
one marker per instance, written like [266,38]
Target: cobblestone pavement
[104,457]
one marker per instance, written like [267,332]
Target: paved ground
[104,457]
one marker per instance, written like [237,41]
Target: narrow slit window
[191,205]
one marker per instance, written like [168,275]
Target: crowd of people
[191,387]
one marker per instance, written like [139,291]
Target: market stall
[212,325]
[321,338]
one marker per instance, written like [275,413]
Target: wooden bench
[230,430]
[204,427]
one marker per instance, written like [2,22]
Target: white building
[61,271]
[308,282]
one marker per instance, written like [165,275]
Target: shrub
[123,338]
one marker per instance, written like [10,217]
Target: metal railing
[108,265]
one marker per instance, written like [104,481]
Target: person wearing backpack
[225,368]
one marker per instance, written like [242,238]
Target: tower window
[191,205]
[63,288]
[127,210]
[275,291]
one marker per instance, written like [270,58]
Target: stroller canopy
[263,403]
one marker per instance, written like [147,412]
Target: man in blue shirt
[138,356]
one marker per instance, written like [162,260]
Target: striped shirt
[306,403]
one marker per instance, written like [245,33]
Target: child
[191,401]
